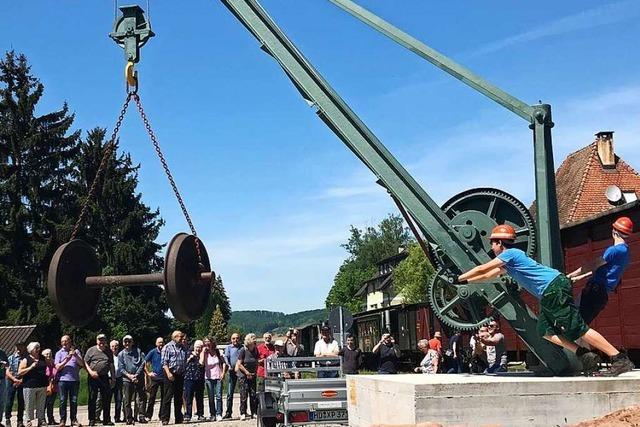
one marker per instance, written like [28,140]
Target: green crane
[455,232]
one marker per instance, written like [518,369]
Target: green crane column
[550,248]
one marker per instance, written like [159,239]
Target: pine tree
[36,205]
[218,327]
[218,299]
[123,231]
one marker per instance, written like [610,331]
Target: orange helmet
[624,225]
[503,232]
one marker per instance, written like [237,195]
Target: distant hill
[260,321]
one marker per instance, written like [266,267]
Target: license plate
[328,415]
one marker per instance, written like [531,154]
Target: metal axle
[135,280]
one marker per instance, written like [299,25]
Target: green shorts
[558,313]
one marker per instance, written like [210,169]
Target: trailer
[303,391]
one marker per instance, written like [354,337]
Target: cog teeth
[432,297]
[440,260]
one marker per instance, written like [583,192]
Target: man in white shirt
[326,347]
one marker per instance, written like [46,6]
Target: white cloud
[605,14]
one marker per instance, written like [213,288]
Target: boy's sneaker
[243,417]
[590,362]
[218,418]
[620,364]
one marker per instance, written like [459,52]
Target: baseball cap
[101,337]
[127,337]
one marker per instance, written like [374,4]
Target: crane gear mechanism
[624,225]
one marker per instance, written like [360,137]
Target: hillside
[260,321]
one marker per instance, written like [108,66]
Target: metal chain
[156,145]
[109,148]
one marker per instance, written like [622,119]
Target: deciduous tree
[412,275]
[365,248]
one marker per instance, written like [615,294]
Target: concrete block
[476,400]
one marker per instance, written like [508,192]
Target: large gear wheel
[457,305]
[475,212]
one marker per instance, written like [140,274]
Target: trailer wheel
[265,421]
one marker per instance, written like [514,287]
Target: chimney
[604,141]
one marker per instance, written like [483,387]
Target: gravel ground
[626,417]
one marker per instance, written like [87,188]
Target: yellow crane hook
[131,75]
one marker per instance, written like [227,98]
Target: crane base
[516,399]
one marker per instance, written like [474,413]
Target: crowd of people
[178,373]
[486,353]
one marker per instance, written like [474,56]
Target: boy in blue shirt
[559,320]
[605,271]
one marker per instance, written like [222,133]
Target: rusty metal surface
[74,302]
[187,293]
[135,280]
[126,280]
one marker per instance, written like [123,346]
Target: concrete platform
[477,400]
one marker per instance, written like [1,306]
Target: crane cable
[131,78]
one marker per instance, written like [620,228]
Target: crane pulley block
[131,31]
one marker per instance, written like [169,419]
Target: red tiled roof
[581,182]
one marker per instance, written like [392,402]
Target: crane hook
[131,76]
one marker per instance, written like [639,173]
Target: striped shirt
[174,356]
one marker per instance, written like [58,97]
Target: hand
[573,279]
[393,341]
[170,377]
[460,281]
[152,374]
[17,383]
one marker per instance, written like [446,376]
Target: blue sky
[271,190]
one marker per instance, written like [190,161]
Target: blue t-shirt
[617,258]
[534,277]
[155,358]
[231,354]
